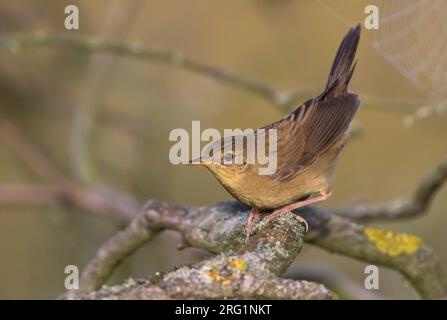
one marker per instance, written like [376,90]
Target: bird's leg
[324,195]
[254,213]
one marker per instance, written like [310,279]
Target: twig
[409,207]
[426,112]
[118,20]
[17,42]
[12,137]
[100,201]
[141,229]
[137,50]
[391,104]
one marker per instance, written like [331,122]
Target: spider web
[412,37]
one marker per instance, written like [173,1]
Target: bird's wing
[307,132]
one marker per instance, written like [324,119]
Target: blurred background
[104,120]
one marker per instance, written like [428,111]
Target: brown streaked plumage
[309,140]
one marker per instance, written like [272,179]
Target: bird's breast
[264,193]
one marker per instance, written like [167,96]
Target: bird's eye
[228,158]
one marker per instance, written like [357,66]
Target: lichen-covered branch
[199,282]
[140,230]
[409,207]
[399,251]
[219,229]
[194,224]
[250,272]
[239,270]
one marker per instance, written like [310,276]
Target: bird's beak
[199,162]
[195,162]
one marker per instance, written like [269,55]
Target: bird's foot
[284,211]
[324,195]
[254,213]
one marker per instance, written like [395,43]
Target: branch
[100,201]
[399,251]
[250,273]
[11,136]
[425,112]
[219,229]
[200,282]
[137,50]
[158,216]
[117,20]
[345,286]
[92,44]
[403,208]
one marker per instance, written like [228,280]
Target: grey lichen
[271,249]
[244,271]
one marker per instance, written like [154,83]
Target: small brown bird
[309,140]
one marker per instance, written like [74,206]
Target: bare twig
[137,50]
[409,207]
[12,137]
[141,229]
[392,104]
[118,20]
[100,201]
[426,111]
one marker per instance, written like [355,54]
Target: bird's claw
[303,221]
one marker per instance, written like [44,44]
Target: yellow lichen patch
[214,274]
[393,244]
[226,273]
[239,264]
[226,282]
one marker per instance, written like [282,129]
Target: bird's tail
[343,66]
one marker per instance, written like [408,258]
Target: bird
[309,142]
